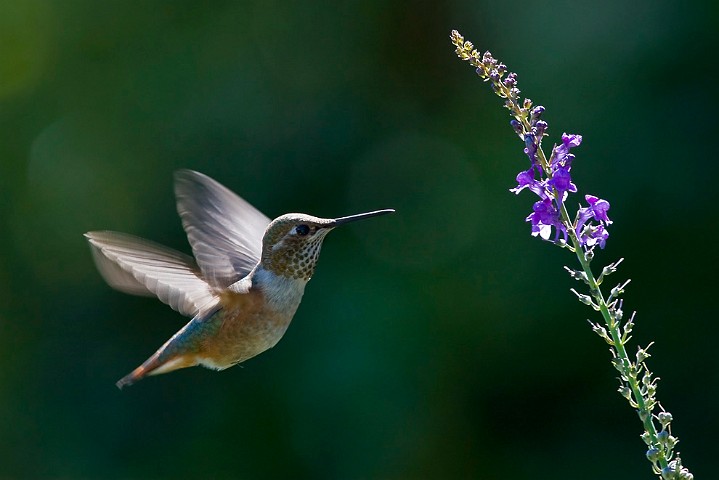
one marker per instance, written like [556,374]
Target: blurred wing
[140,267]
[225,231]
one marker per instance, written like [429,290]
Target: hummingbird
[242,287]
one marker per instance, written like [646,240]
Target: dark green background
[439,343]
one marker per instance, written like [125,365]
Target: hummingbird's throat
[293,262]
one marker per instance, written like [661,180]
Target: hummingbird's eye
[302,230]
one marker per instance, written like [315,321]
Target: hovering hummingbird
[242,288]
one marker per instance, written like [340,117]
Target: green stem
[645,413]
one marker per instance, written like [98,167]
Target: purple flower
[548,178]
[594,235]
[561,155]
[525,179]
[596,210]
[599,208]
[545,216]
[590,235]
[561,163]
[530,149]
[562,181]
[553,190]
[570,140]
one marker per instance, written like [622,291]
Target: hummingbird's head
[291,244]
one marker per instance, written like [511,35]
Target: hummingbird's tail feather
[138,374]
[182,350]
[156,365]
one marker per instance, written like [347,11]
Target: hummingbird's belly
[243,333]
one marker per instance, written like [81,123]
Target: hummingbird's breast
[253,318]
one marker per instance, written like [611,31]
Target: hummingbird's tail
[138,374]
[180,351]
[155,365]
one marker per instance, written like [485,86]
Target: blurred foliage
[441,342]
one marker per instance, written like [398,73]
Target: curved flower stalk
[550,180]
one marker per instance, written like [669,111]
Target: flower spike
[551,180]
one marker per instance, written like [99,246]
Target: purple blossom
[562,182]
[548,178]
[588,234]
[561,163]
[525,179]
[554,188]
[594,235]
[545,216]
[560,152]
[531,148]
[599,208]
[596,210]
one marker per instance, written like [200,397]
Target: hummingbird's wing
[225,231]
[141,267]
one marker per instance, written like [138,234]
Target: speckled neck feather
[291,256]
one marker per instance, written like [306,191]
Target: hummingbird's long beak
[342,220]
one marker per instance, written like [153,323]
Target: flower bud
[665,418]
[653,454]
[642,355]
[625,392]
[537,113]
[585,299]
[540,127]
[517,126]
[668,473]
[674,471]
